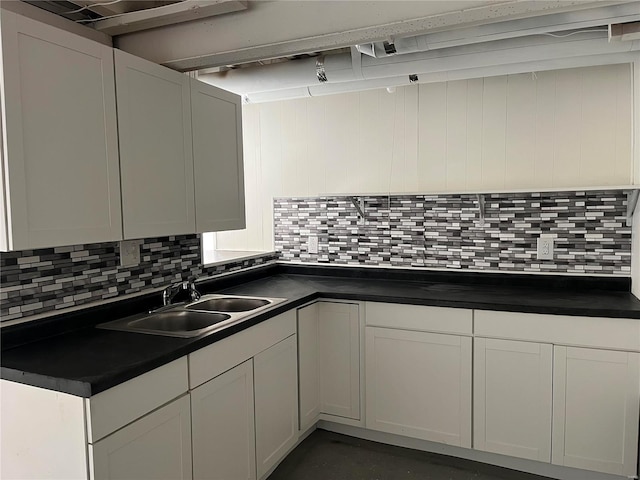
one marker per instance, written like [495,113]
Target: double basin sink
[207,315]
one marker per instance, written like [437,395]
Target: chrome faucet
[189,286]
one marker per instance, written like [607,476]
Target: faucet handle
[191,288]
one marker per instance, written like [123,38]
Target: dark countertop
[65,353]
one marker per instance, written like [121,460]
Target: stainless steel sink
[178,321]
[209,314]
[229,304]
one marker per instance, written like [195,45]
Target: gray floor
[330,456]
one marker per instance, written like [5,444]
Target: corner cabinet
[217,158]
[60,169]
[329,363]
[156,159]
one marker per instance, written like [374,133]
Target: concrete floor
[331,456]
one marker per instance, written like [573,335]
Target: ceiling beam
[284,28]
[41,15]
[184,11]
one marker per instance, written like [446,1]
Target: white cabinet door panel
[156,158]
[61,150]
[596,403]
[339,358]
[157,446]
[512,398]
[418,385]
[308,365]
[223,426]
[217,157]
[276,403]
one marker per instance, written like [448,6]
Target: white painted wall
[556,129]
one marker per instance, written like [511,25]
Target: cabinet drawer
[614,333]
[211,361]
[419,317]
[121,405]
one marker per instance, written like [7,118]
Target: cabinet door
[156,446]
[276,403]
[512,398]
[154,123]
[418,385]
[223,428]
[308,366]
[61,171]
[339,359]
[217,157]
[596,399]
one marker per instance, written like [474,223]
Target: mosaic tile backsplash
[445,232]
[51,279]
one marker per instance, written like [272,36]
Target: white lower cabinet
[339,358]
[157,446]
[512,398]
[418,384]
[308,366]
[223,428]
[329,361]
[596,400]
[276,403]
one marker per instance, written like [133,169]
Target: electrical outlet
[312,244]
[545,247]
[129,253]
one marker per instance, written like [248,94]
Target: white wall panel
[411,139]
[545,128]
[339,145]
[520,124]
[314,165]
[566,155]
[456,135]
[474,133]
[494,132]
[432,136]
[565,128]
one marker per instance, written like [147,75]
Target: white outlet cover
[312,244]
[545,247]
[129,253]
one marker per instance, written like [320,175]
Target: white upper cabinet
[217,158]
[60,149]
[156,159]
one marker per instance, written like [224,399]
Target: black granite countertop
[67,354]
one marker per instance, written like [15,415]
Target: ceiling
[201,34]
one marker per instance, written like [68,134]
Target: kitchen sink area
[204,316]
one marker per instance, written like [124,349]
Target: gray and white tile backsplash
[444,231]
[52,279]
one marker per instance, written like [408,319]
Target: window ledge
[211,258]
